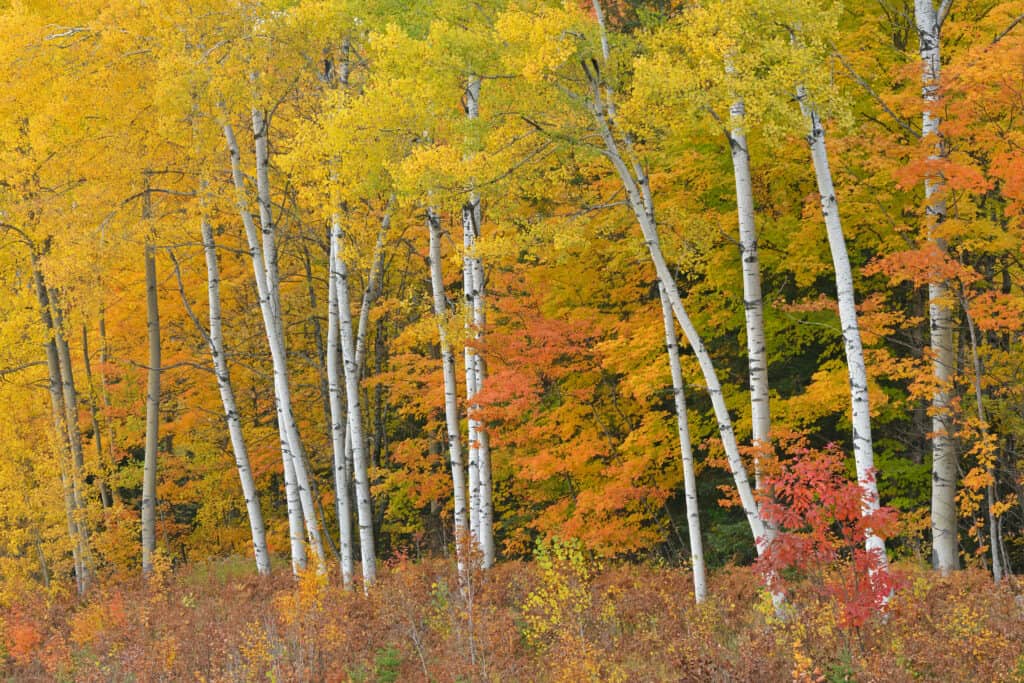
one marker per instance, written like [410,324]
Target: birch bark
[260,131]
[231,413]
[451,408]
[295,511]
[945,548]
[339,418]
[753,304]
[74,435]
[640,199]
[686,451]
[61,446]
[152,416]
[863,448]
[360,466]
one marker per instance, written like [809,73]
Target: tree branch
[867,87]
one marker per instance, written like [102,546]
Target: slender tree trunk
[481,504]
[945,548]
[231,413]
[360,468]
[998,570]
[339,418]
[60,435]
[753,304]
[70,402]
[863,449]
[640,199]
[152,416]
[101,464]
[451,407]
[260,131]
[270,323]
[470,228]
[683,427]
[105,397]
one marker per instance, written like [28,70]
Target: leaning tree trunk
[640,199]
[61,446]
[451,407]
[753,303]
[686,450]
[74,435]
[945,549]
[863,450]
[260,131]
[295,511]
[231,413]
[152,416]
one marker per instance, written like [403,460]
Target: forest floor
[560,619]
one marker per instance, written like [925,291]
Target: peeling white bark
[700,590]
[863,449]
[945,547]
[360,466]
[451,408]
[227,397]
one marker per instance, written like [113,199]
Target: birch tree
[636,184]
[152,412]
[355,439]
[481,504]
[61,446]
[215,340]
[945,548]
[604,120]
[296,511]
[340,439]
[753,302]
[860,405]
[451,407]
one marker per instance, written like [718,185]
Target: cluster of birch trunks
[470,467]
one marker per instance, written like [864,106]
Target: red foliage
[817,509]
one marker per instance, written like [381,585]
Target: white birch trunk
[863,449]
[231,413]
[339,418]
[469,359]
[152,417]
[61,447]
[481,506]
[686,451]
[486,521]
[360,466]
[451,407]
[753,305]
[945,547]
[640,200]
[74,434]
[295,512]
[302,481]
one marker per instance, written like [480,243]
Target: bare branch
[1009,28]
[867,87]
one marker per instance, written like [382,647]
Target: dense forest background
[345,285]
